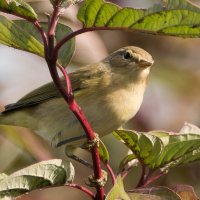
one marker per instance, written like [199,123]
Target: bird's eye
[127,55]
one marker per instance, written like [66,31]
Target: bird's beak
[145,64]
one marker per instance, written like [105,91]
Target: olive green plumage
[110,93]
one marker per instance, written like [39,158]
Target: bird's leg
[57,140]
[69,151]
[91,143]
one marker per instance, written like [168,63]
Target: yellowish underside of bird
[104,114]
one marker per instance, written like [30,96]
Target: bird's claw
[90,144]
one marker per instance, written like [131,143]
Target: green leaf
[177,18]
[14,36]
[125,161]
[47,173]
[118,191]
[103,152]
[158,149]
[66,52]
[19,8]
[144,147]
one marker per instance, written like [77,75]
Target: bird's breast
[125,103]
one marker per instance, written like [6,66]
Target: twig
[83,189]
[90,29]
[74,107]
[142,178]
[126,172]
[44,37]
[113,178]
[152,179]
[51,30]
[68,95]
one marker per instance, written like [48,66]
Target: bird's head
[130,63]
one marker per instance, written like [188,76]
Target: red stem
[126,172]
[83,189]
[74,34]
[44,37]
[152,179]
[68,82]
[113,178]
[142,178]
[89,29]
[68,96]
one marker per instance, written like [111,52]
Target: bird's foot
[69,151]
[58,141]
[89,145]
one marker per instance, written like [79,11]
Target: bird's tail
[7,119]
[3,118]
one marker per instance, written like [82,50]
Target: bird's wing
[49,91]
[41,94]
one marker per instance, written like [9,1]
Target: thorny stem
[113,178]
[83,189]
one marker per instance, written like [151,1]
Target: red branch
[152,179]
[87,128]
[68,96]
[113,178]
[142,178]
[83,189]
[44,37]
[126,172]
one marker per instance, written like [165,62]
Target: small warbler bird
[109,92]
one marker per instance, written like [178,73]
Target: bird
[109,92]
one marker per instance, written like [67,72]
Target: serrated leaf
[66,52]
[180,148]
[19,8]
[158,149]
[103,152]
[117,191]
[47,173]
[13,36]
[145,147]
[178,18]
